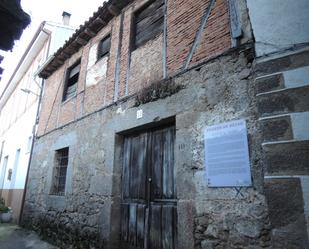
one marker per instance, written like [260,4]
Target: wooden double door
[149,206]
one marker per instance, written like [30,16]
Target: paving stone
[13,237]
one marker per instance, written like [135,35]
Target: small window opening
[71,81]
[10,172]
[104,47]
[60,171]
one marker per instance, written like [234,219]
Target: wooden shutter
[71,81]
[149,22]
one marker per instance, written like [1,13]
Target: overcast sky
[45,10]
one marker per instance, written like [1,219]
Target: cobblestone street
[14,237]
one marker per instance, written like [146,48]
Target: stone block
[296,78]
[205,244]
[269,83]
[290,100]
[300,125]
[300,59]
[289,158]
[185,212]
[273,66]
[101,184]
[249,227]
[276,129]
[286,212]
[290,61]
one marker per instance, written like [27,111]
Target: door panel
[163,164]
[168,224]
[155,227]
[148,195]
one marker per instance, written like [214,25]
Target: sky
[45,10]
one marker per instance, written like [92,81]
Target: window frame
[133,45]
[101,55]
[57,188]
[67,78]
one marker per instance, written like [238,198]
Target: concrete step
[286,158]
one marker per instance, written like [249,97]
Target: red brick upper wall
[140,67]
[183,22]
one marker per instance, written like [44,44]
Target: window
[104,46]
[148,22]
[70,86]
[60,171]
[10,172]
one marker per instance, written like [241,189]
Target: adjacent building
[119,157]
[19,103]
[13,20]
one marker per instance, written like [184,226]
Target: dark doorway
[149,206]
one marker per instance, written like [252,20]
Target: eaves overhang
[83,34]
[13,20]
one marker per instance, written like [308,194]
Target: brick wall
[125,72]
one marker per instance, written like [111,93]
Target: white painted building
[18,111]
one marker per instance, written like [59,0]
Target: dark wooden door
[149,210]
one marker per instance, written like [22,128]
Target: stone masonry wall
[88,216]
[282,95]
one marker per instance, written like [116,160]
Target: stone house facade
[119,157]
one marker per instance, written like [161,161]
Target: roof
[1,69]
[83,34]
[13,20]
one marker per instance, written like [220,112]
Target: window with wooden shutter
[149,22]
[104,47]
[71,81]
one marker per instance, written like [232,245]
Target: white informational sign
[227,155]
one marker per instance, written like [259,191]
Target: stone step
[286,158]
[283,101]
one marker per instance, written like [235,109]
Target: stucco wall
[278,24]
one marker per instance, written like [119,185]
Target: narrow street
[14,237]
